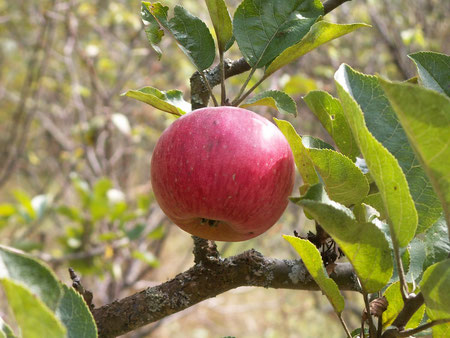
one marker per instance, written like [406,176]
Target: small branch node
[76,284]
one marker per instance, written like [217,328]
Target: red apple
[223,173]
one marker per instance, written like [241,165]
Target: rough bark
[208,278]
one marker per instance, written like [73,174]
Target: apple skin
[223,173]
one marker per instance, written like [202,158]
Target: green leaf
[321,32]
[395,305]
[72,213]
[99,204]
[7,210]
[21,268]
[304,164]
[5,330]
[383,124]
[75,315]
[365,213]
[364,244]
[344,181]
[375,201]
[33,317]
[191,33]
[146,257]
[434,70]
[157,233]
[329,112]
[417,255]
[82,188]
[356,333]
[152,29]
[441,331]
[40,203]
[313,262]
[316,143]
[383,166]
[435,285]
[221,22]
[25,201]
[273,98]
[263,29]
[135,232]
[171,101]
[425,116]
[437,245]
[101,187]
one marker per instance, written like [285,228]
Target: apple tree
[379,194]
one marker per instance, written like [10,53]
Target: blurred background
[75,155]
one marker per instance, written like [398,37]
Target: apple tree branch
[209,277]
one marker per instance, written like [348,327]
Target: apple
[223,173]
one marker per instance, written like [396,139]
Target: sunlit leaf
[263,29]
[152,30]
[395,305]
[364,244]
[313,261]
[441,331]
[38,278]
[329,112]
[171,101]
[344,182]
[75,315]
[417,255]
[304,164]
[383,166]
[382,123]
[437,245]
[320,33]
[434,285]
[425,116]
[275,99]
[191,33]
[434,70]
[33,317]
[221,21]
[25,202]
[7,210]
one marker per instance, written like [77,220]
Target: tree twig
[330,5]
[76,284]
[411,332]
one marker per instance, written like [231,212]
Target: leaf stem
[408,333]
[205,79]
[238,101]
[401,273]
[347,331]
[223,95]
